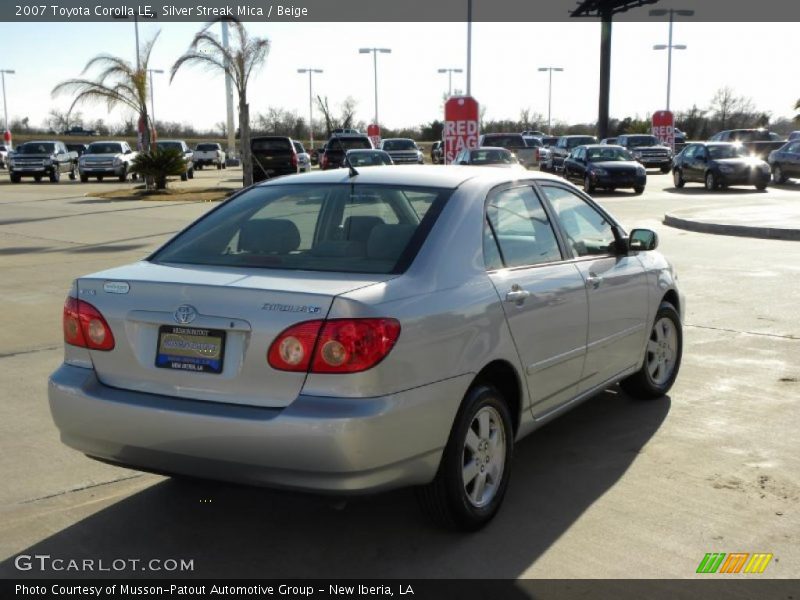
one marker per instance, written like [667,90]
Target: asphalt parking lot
[614,489]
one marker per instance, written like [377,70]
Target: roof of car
[419,175]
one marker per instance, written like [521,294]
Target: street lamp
[550,93]
[3,73]
[660,12]
[152,103]
[450,72]
[310,72]
[374,52]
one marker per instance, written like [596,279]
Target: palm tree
[118,83]
[238,62]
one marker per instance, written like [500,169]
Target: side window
[523,233]
[587,229]
[690,152]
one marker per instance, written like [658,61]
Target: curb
[767,233]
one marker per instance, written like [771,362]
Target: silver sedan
[347,332]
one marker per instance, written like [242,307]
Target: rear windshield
[367,159]
[326,227]
[267,145]
[492,157]
[727,151]
[549,141]
[205,147]
[170,146]
[104,148]
[394,145]
[580,141]
[504,141]
[298,147]
[36,148]
[533,142]
[349,143]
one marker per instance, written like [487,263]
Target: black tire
[124,176]
[191,173]
[778,176]
[219,166]
[99,178]
[199,167]
[84,178]
[72,174]
[445,500]
[642,384]
[588,186]
[37,178]
[224,166]
[711,181]
[761,186]
[677,178]
[184,176]
[15,178]
[665,169]
[55,175]
[638,189]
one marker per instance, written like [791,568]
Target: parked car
[680,137]
[785,161]
[405,327]
[404,151]
[528,156]
[106,159]
[487,157]
[37,159]
[335,148]
[344,131]
[562,148]
[208,153]
[612,141]
[4,150]
[314,155]
[183,148]
[544,152]
[719,164]
[647,150]
[605,166]
[369,158]
[80,131]
[437,152]
[795,135]
[303,158]
[273,156]
[533,133]
[79,149]
[758,142]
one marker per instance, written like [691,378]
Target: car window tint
[587,229]
[523,231]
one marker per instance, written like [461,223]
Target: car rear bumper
[207,161]
[340,445]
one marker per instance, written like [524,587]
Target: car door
[694,164]
[615,283]
[544,297]
[790,160]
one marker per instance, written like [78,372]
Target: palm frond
[144,53]
[196,58]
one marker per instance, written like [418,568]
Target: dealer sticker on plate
[190,349]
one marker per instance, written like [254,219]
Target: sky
[505,58]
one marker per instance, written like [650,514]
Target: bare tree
[246,55]
[797,107]
[59,121]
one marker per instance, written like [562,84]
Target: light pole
[3,73]
[450,72]
[550,93]
[310,72]
[660,12]
[152,103]
[374,52]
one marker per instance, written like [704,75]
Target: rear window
[394,145]
[580,141]
[266,145]
[331,227]
[298,147]
[504,141]
[349,143]
[207,147]
[170,146]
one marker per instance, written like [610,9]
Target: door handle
[594,281]
[517,295]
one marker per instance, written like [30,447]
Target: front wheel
[15,178]
[761,186]
[588,186]
[677,178]
[124,175]
[84,178]
[778,176]
[191,173]
[665,169]
[638,189]
[711,181]
[662,357]
[473,474]
[184,176]
[72,174]
[55,175]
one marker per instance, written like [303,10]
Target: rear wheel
[677,178]
[191,173]
[184,176]
[124,175]
[665,169]
[778,176]
[199,167]
[84,178]
[37,178]
[55,175]
[99,178]
[473,474]
[219,166]
[588,186]
[15,178]
[662,357]
[72,173]
[711,181]
[638,189]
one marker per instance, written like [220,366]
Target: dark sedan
[605,166]
[719,164]
[369,158]
[785,162]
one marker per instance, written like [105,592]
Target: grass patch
[211,194]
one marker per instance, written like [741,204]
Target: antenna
[352,169]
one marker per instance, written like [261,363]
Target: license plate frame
[193,349]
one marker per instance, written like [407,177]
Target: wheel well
[504,377]
[672,297]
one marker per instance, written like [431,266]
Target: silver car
[348,332]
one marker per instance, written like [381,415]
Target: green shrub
[159,164]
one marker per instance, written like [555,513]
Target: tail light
[294,159]
[84,326]
[334,346]
[538,155]
[323,161]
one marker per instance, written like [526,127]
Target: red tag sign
[7,137]
[460,126]
[374,135]
[664,127]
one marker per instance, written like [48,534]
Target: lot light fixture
[450,72]
[310,72]
[374,52]
[550,93]
[152,102]
[669,47]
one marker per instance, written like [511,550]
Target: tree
[797,107]
[246,55]
[59,121]
[119,83]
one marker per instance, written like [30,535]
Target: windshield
[36,148]
[399,145]
[353,228]
[349,143]
[492,157]
[170,146]
[642,140]
[533,142]
[504,141]
[727,151]
[610,154]
[368,159]
[104,148]
[206,147]
[580,141]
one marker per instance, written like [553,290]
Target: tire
[662,356]
[219,166]
[72,174]
[638,189]
[761,185]
[184,176]
[199,167]
[677,178]
[224,166]
[778,176]
[124,176]
[15,178]
[191,173]
[99,178]
[55,176]
[665,169]
[484,419]
[711,181]
[588,186]
[84,178]
[37,178]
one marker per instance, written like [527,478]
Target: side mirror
[643,240]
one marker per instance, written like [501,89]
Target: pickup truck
[333,158]
[182,147]
[527,156]
[208,153]
[647,150]
[106,159]
[404,151]
[4,150]
[561,149]
[273,156]
[759,142]
[39,158]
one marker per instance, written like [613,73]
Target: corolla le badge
[116,287]
[185,314]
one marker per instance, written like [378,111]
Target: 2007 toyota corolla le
[349,332]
